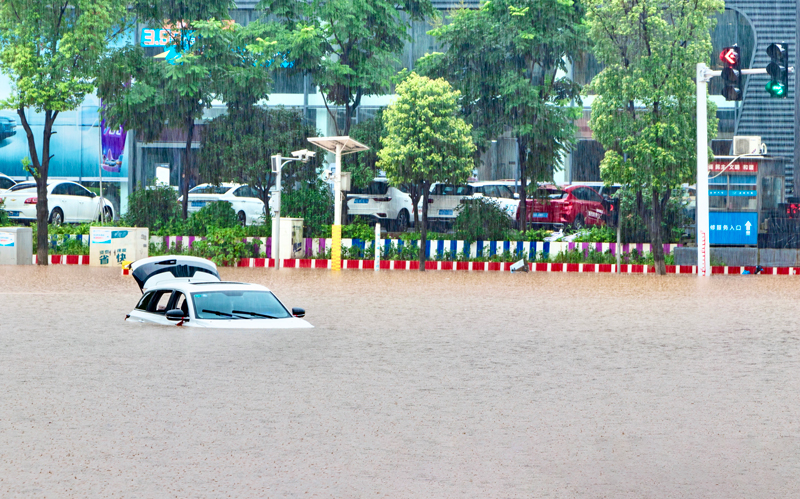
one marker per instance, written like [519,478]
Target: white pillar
[703,244]
[377,246]
[337,188]
[276,221]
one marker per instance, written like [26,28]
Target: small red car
[575,205]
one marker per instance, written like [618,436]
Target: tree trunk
[40,171]
[423,238]
[656,242]
[523,191]
[187,168]
[413,192]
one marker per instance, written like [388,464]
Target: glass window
[464,190]
[504,191]
[237,305]
[591,195]
[61,189]
[181,303]
[23,185]
[158,304]
[5,183]
[144,301]
[744,179]
[373,188]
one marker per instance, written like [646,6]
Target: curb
[588,268]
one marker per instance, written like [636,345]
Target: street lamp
[278,163]
[339,146]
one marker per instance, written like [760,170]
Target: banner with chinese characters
[738,167]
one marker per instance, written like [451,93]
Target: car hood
[287,323]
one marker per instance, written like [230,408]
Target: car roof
[229,185]
[195,285]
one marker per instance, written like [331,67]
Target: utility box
[16,246]
[110,246]
[292,238]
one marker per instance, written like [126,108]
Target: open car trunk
[149,271]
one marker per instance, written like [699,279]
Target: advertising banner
[733,228]
[113,144]
[7,239]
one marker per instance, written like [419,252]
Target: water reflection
[411,385]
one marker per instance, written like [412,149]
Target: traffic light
[731,73]
[778,70]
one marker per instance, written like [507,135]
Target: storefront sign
[733,168]
[733,228]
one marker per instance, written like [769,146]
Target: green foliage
[349,48]
[634,229]
[597,235]
[481,219]
[359,229]
[313,202]
[217,215]
[508,59]
[363,167]
[593,256]
[69,247]
[154,207]
[644,113]
[4,220]
[222,246]
[236,147]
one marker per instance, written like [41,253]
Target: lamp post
[278,162]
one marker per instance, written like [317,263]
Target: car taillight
[383,200]
[430,201]
[31,201]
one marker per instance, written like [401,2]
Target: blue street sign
[733,228]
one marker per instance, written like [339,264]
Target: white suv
[443,201]
[382,203]
[500,193]
[244,199]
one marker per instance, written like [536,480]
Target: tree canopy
[350,48]
[426,141]
[644,114]
[50,51]
[509,63]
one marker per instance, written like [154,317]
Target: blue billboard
[733,228]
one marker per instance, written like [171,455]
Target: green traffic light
[775,88]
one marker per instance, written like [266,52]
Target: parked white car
[6,182]
[499,193]
[68,202]
[187,291]
[381,202]
[443,201]
[244,199]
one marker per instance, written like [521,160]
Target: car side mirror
[298,312]
[516,195]
[176,315]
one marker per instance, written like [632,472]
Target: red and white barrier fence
[593,268]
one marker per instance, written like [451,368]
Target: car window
[79,190]
[181,303]
[61,189]
[550,194]
[464,190]
[504,191]
[5,183]
[375,187]
[145,301]
[23,185]
[591,195]
[158,304]
[209,189]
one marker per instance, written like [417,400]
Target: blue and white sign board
[733,228]
[101,236]
[7,239]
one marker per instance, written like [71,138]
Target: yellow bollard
[336,247]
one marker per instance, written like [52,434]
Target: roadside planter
[110,246]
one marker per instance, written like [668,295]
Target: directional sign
[729,55]
[733,228]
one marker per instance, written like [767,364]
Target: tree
[363,167]
[509,62]
[50,50]
[237,147]
[426,141]
[214,60]
[348,47]
[644,113]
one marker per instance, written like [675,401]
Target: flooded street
[436,384]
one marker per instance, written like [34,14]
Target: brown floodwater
[436,384]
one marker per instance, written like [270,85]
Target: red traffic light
[729,56]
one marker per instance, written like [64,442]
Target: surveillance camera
[304,155]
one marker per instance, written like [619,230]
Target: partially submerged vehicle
[187,291]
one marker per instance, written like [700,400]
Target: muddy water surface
[411,385]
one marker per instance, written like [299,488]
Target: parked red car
[575,205]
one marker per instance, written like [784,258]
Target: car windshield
[209,189]
[23,185]
[233,304]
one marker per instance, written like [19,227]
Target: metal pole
[377,246]
[703,245]
[619,232]
[102,160]
[276,221]
[336,230]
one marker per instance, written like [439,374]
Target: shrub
[481,219]
[313,202]
[4,220]
[222,245]
[359,229]
[217,215]
[154,207]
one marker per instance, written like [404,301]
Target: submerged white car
[187,291]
